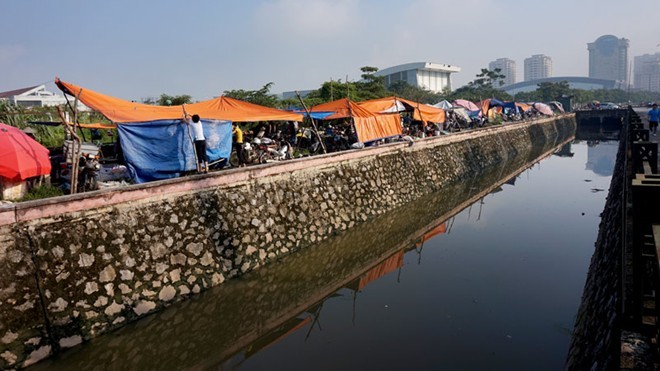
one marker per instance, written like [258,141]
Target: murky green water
[495,286]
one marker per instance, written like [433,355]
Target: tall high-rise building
[507,68]
[647,72]
[608,58]
[538,66]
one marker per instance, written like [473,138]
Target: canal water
[493,283]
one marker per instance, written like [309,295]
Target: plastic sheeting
[444,104]
[421,112]
[543,108]
[221,108]
[162,149]
[369,125]
[466,104]
[376,127]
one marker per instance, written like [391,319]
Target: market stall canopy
[444,105]
[421,112]
[369,125]
[157,143]
[524,107]
[543,108]
[384,105]
[489,103]
[463,112]
[221,108]
[466,104]
[556,106]
[22,157]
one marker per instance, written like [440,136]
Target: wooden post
[350,110]
[74,138]
[316,130]
[75,166]
[74,111]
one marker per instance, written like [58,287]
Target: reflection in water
[497,280]
[601,157]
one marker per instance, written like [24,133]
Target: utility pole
[331,86]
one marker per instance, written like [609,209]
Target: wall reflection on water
[497,285]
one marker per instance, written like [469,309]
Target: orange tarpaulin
[421,112]
[389,265]
[98,125]
[439,229]
[221,108]
[485,106]
[523,106]
[368,125]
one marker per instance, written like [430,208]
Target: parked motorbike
[274,150]
[250,151]
[308,142]
[88,175]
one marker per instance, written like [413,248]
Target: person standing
[237,135]
[654,117]
[200,142]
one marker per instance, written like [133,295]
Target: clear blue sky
[134,49]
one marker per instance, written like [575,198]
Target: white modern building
[429,76]
[608,58]
[538,66]
[34,96]
[647,72]
[507,68]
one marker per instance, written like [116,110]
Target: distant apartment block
[647,72]
[507,68]
[608,58]
[538,66]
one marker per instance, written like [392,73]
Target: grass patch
[42,191]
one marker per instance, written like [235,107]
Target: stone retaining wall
[81,265]
[595,340]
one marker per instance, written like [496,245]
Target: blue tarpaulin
[315,115]
[495,103]
[474,113]
[162,149]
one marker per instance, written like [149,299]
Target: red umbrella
[21,157]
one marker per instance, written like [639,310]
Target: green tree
[371,86]
[333,90]
[262,97]
[487,78]
[481,87]
[176,100]
[548,91]
[404,90]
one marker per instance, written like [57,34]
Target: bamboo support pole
[309,115]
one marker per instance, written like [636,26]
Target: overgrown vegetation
[50,136]
[42,191]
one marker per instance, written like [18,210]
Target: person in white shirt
[200,142]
